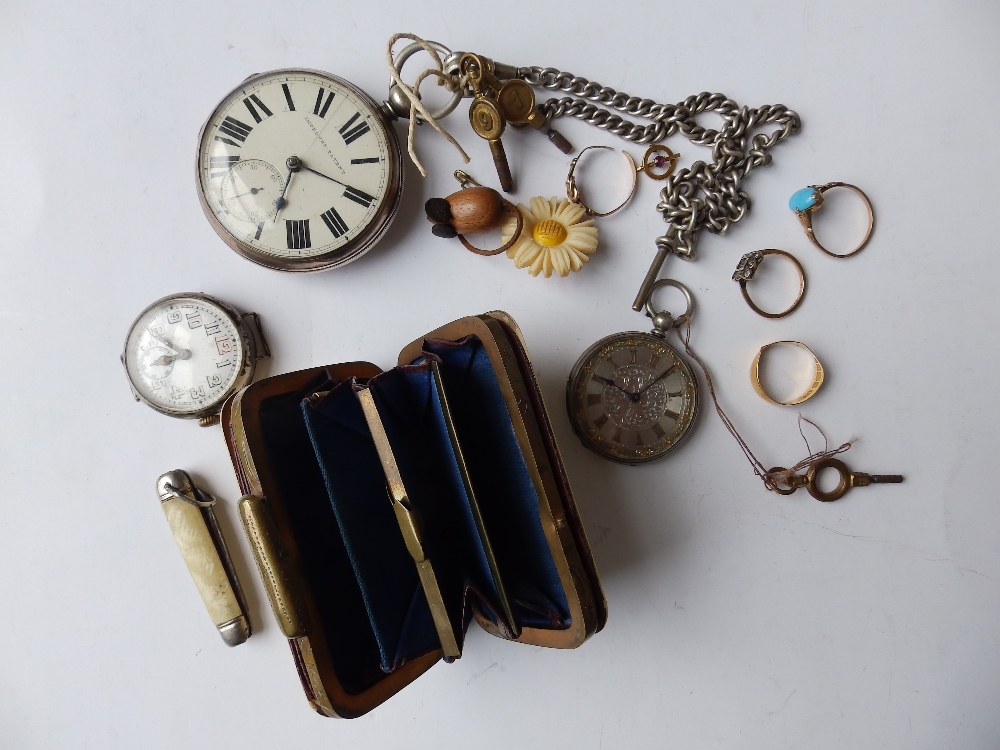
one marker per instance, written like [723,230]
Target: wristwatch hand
[177,351]
[163,341]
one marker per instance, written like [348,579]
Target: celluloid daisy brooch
[557,236]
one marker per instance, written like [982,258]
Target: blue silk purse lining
[355,556]
[500,478]
[327,568]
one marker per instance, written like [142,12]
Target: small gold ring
[511,209]
[573,190]
[803,202]
[747,268]
[809,392]
[654,159]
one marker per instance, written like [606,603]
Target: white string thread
[413,94]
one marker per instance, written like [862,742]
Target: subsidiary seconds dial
[250,191]
[299,170]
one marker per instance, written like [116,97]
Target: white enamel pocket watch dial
[187,353]
[631,397]
[299,170]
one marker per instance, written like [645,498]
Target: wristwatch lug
[252,321]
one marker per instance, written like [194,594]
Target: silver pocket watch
[299,170]
[631,396]
[187,353]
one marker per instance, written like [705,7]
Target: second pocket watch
[631,397]
[299,170]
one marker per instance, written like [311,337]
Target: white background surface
[738,618]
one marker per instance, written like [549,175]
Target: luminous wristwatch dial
[299,170]
[631,397]
[185,354]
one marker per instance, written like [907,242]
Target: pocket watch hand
[320,174]
[613,384]
[294,164]
[280,201]
[251,191]
[653,382]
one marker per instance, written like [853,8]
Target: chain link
[704,195]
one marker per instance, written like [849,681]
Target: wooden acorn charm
[472,210]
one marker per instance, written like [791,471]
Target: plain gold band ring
[747,268]
[806,395]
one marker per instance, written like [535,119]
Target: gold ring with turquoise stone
[803,202]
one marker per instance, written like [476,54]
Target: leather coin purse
[387,510]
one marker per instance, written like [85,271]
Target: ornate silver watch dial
[631,397]
[298,170]
[185,354]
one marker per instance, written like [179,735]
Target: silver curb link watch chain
[703,196]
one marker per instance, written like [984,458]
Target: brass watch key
[848,480]
[517,101]
[485,114]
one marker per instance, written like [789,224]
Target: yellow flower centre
[549,233]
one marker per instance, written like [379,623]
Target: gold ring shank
[806,218]
[806,395]
[798,299]
[573,190]
[514,211]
